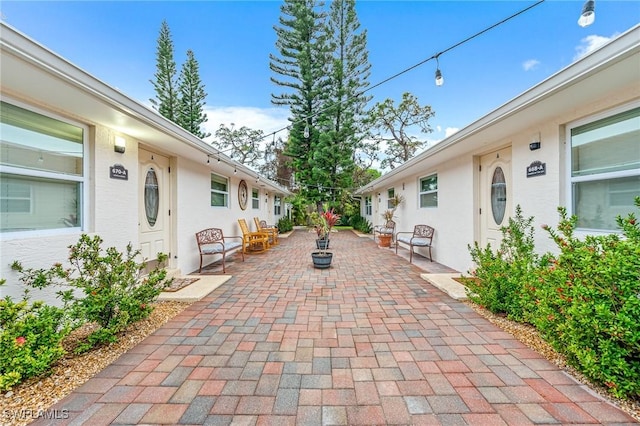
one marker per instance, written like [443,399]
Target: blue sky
[116,42]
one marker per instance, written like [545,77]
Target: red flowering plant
[327,220]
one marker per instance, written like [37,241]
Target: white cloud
[449,131]
[266,119]
[530,64]
[589,44]
[438,128]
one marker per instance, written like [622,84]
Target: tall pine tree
[301,68]
[192,98]
[167,100]
[349,73]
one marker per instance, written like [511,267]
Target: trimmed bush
[588,303]
[501,278]
[285,224]
[31,337]
[105,287]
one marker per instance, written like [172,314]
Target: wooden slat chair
[422,236]
[388,228]
[212,241]
[251,240]
[271,230]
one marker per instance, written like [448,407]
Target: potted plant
[326,221]
[385,232]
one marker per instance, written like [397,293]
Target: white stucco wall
[456,220]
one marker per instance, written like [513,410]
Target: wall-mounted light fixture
[535,142]
[588,14]
[119,145]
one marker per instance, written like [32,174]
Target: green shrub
[588,303]
[285,224]
[31,337]
[502,278]
[104,287]
[361,224]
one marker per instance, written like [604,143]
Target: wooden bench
[212,241]
[422,236]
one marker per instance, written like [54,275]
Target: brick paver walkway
[365,342]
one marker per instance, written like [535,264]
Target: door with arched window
[154,192]
[495,195]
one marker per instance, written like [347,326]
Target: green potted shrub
[327,220]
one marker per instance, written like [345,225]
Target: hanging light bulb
[588,13]
[208,159]
[306,131]
[439,78]
[235,171]
[218,158]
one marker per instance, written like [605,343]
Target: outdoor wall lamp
[535,142]
[119,145]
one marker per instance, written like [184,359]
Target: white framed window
[255,198]
[42,170]
[604,167]
[368,206]
[277,205]
[391,192]
[219,191]
[429,191]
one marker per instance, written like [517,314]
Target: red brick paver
[364,342]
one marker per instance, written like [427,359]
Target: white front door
[495,195]
[154,221]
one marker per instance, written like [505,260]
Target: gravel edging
[528,335]
[24,402]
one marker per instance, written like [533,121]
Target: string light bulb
[588,14]
[235,171]
[306,131]
[439,78]
[208,159]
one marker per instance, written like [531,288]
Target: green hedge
[585,300]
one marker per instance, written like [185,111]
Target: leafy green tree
[243,144]
[192,98]
[300,67]
[276,165]
[390,125]
[165,84]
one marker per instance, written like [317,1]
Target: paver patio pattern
[364,342]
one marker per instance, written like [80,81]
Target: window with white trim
[429,191]
[368,206]
[41,170]
[605,168]
[255,198]
[391,192]
[219,191]
[277,205]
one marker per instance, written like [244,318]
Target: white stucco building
[78,156]
[572,140]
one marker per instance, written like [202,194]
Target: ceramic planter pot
[384,240]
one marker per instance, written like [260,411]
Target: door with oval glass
[154,192]
[495,195]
